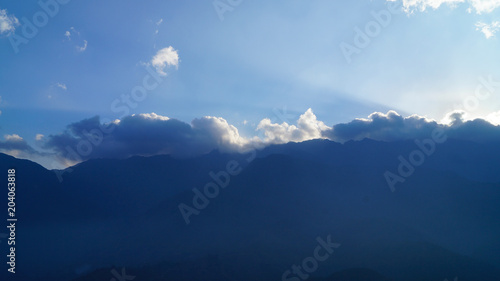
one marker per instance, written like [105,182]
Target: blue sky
[243,61]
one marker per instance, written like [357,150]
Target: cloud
[421,5]
[308,127]
[62,86]
[16,146]
[158,23]
[488,30]
[13,138]
[8,23]
[73,32]
[393,127]
[480,6]
[153,134]
[145,134]
[484,6]
[164,58]
[82,48]
[384,127]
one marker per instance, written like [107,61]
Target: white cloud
[484,6]
[480,6]
[164,58]
[62,86]
[153,116]
[493,118]
[226,136]
[159,22]
[488,30]
[8,22]
[13,137]
[308,127]
[72,32]
[82,48]
[39,137]
[421,5]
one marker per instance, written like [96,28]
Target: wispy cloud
[479,6]
[62,86]
[164,58]
[82,48]
[72,32]
[488,30]
[8,23]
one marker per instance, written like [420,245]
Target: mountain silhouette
[110,214]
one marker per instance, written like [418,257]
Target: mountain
[259,216]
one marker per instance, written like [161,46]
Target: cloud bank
[153,134]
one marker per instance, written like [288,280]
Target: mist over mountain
[234,216]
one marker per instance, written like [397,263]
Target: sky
[235,74]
